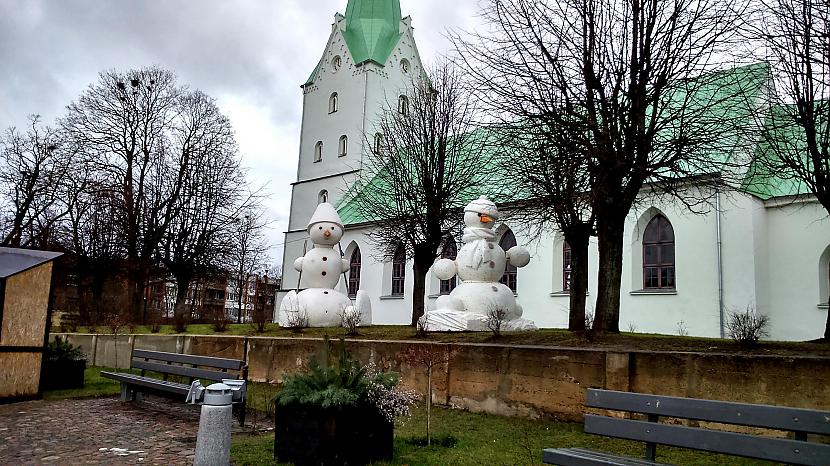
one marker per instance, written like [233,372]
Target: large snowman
[321,269]
[479,264]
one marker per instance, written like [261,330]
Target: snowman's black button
[325,292]
[324,273]
[492,265]
[490,245]
[325,259]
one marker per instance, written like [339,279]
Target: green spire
[372,29]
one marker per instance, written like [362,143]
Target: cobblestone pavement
[98,431]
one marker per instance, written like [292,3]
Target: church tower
[370,59]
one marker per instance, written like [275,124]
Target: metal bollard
[213,443]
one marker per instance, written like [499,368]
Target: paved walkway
[98,431]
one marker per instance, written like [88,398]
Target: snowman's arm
[518,256]
[444,269]
[344,266]
[298,264]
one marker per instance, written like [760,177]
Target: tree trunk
[579,279]
[422,263]
[182,286]
[610,236]
[136,284]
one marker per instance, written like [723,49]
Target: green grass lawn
[94,386]
[545,337]
[491,440]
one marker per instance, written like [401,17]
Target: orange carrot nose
[326,233]
[485,218]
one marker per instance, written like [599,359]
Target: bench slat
[182,370]
[781,450]
[583,457]
[208,361]
[148,382]
[744,414]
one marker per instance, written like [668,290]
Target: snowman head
[325,226]
[481,213]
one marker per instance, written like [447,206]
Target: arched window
[322,197]
[398,270]
[658,254]
[378,146]
[343,146]
[354,272]
[318,151]
[333,103]
[566,266]
[450,251]
[510,277]
[403,105]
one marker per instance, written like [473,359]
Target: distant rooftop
[14,261]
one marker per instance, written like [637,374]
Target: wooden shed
[25,288]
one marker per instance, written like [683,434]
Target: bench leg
[125,392]
[240,413]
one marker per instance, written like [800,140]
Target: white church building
[762,245]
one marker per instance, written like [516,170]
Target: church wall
[799,237]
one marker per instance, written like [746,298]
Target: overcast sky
[251,55]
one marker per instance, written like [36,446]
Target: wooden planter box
[59,374]
[306,435]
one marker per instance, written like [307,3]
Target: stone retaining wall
[514,380]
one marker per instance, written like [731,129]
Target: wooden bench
[182,365]
[795,450]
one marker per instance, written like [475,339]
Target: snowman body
[479,264]
[319,304]
[321,267]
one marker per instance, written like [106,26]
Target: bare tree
[795,37]
[544,161]
[32,169]
[246,255]
[632,80]
[427,158]
[195,242]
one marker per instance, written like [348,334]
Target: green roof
[764,178]
[372,31]
[728,97]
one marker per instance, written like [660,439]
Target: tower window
[333,101]
[398,270]
[450,251]
[510,277]
[322,197]
[378,145]
[343,145]
[318,151]
[566,266]
[403,105]
[335,63]
[354,272]
[405,65]
[658,254]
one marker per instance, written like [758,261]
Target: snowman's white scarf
[482,236]
[475,233]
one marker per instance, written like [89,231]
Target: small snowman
[320,269]
[480,265]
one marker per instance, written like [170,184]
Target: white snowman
[479,264]
[321,269]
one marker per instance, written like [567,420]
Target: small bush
[589,325]
[747,327]
[422,326]
[495,320]
[682,330]
[296,320]
[60,349]
[220,321]
[180,323]
[351,321]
